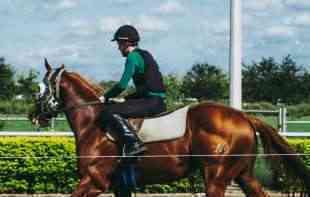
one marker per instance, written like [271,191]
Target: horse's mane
[87,86]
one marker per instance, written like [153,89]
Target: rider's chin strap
[57,80]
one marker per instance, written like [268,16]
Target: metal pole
[280,121]
[235,54]
[284,120]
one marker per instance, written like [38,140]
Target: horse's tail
[274,144]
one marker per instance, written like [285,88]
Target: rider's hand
[102,99]
[117,100]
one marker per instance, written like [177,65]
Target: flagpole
[235,96]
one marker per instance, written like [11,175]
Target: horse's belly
[162,170]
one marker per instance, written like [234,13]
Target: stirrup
[134,149]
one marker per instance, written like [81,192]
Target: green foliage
[2,124]
[37,165]
[7,87]
[48,165]
[28,85]
[260,105]
[106,85]
[299,110]
[15,106]
[292,183]
[271,81]
[174,92]
[205,81]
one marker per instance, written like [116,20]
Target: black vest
[151,80]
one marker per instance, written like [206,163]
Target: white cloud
[298,3]
[280,31]
[122,1]
[170,6]
[302,19]
[61,53]
[151,23]
[67,4]
[83,28]
[143,23]
[257,5]
[59,4]
[110,24]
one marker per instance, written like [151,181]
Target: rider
[147,100]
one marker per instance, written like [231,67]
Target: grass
[25,125]
[62,125]
[299,127]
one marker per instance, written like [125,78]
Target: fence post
[280,122]
[284,124]
[53,124]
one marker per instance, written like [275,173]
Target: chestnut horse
[224,138]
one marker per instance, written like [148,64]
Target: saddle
[165,126]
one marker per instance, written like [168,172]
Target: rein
[71,107]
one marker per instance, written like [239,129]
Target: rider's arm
[118,88]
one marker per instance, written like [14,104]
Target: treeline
[17,86]
[264,81]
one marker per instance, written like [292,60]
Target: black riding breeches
[133,108]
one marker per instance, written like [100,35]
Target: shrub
[48,165]
[14,107]
[37,165]
[291,183]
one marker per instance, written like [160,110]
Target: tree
[259,80]
[270,81]
[106,85]
[28,85]
[290,76]
[174,92]
[205,81]
[7,83]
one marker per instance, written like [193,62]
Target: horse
[225,139]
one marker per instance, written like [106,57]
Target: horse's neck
[80,116]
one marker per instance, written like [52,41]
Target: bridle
[49,99]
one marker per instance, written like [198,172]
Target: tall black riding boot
[132,144]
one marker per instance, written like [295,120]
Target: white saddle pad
[166,127]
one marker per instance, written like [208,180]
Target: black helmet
[126,32]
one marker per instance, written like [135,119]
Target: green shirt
[134,64]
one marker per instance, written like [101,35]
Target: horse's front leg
[83,187]
[96,179]
[100,172]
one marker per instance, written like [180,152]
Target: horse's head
[47,102]
[57,83]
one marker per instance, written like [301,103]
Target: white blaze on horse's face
[42,90]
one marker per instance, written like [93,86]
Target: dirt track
[228,194]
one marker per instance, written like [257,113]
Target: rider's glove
[102,99]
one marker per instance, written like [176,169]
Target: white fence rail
[281,115]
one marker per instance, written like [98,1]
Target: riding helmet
[126,33]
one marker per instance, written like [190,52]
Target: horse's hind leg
[249,185]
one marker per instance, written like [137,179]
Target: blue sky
[179,33]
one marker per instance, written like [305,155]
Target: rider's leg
[133,145]
[126,134]
[114,116]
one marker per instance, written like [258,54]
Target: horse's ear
[47,65]
[62,66]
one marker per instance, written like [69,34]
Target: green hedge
[43,165]
[290,183]
[48,165]
[15,106]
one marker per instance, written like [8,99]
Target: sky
[179,33]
